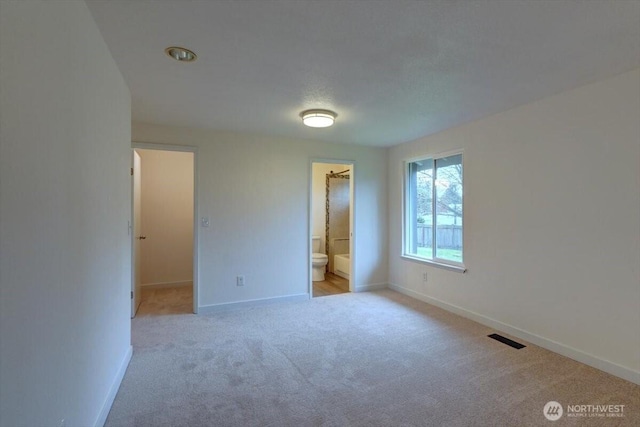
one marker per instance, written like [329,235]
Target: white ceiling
[393,70]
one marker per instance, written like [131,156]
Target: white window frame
[406,176]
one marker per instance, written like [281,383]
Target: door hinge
[131,171]
[131,294]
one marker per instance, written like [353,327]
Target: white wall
[167,216]
[64,205]
[552,223]
[319,198]
[255,190]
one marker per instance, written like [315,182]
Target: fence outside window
[447,236]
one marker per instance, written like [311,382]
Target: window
[433,210]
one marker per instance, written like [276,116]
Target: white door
[137,233]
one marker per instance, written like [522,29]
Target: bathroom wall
[319,174]
[167,217]
[255,190]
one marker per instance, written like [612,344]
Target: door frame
[134,232]
[352,215]
[184,149]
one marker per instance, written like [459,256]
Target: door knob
[142,237]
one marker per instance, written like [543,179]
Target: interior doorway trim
[352,215]
[196,230]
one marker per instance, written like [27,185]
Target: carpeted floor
[163,301]
[365,359]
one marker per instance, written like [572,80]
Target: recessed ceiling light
[181,54]
[318,118]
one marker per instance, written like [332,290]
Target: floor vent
[507,341]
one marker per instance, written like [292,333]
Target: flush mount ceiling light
[180,54]
[318,118]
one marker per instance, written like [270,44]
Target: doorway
[331,227]
[164,268]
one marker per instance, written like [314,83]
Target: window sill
[451,267]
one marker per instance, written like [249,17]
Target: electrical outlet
[424,277]
[240,281]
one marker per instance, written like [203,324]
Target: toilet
[318,260]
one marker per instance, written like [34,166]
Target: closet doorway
[164,269]
[331,227]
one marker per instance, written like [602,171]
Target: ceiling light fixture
[180,54]
[318,118]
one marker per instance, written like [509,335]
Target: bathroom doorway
[331,227]
[164,233]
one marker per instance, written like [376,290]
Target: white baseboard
[213,308]
[341,274]
[113,390]
[163,285]
[371,287]
[570,352]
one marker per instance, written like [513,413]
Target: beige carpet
[163,301]
[366,359]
